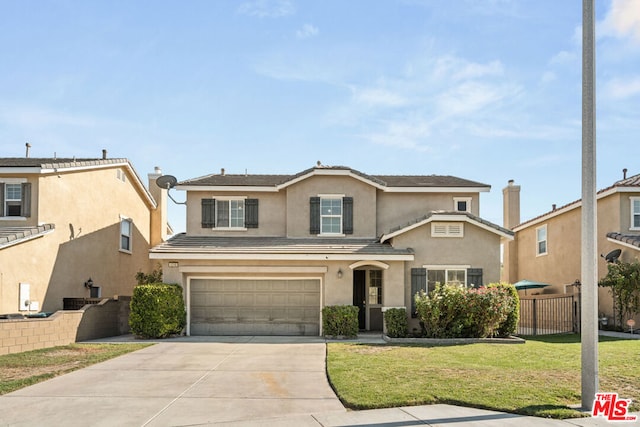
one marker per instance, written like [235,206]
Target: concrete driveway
[188,381]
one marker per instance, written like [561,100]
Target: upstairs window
[541,240]
[231,214]
[635,213]
[449,276]
[462,204]
[126,231]
[331,215]
[15,199]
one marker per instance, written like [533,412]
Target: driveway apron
[184,382]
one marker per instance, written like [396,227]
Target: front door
[359,296]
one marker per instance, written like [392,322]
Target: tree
[623,281]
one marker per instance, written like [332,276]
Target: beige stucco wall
[398,209]
[271,214]
[561,265]
[86,208]
[364,202]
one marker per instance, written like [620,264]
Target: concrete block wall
[18,335]
[108,318]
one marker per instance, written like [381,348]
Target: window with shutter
[347,215]
[314,215]
[474,277]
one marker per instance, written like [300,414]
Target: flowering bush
[455,312]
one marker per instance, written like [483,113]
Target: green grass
[20,370]
[539,378]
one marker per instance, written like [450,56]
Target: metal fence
[545,315]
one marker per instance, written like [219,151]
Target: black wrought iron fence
[545,315]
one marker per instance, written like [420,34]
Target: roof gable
[448,216]
[407,183]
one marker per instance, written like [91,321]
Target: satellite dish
[613,255]
[166,181]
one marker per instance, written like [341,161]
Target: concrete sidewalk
[233,381]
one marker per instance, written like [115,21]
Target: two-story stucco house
[263,254]
[547,248]
[64,221]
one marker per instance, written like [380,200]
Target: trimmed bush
[157,310]
[340,321]
[455,312]
[397,323]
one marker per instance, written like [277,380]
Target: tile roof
[182,243]
[629,239]
[382,180]
[54,163]
[10,236]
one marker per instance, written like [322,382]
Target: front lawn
[539,378]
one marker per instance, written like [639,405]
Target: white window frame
[129,236]
[634,213]
[467,200]
[446,269]
[230,210]
[539,240]
[14,181]
[378,294]
[447,229]
[326,197]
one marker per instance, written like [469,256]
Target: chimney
[104,154]
[158,232]
[511,218]
[28,147]
[624,173]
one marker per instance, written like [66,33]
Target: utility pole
[589,257]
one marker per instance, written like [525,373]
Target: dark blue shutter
[418,283]
[347,215]
[474,277]
[251,213]
[314,215]
[25,205]
[208,213]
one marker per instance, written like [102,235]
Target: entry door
[360,296]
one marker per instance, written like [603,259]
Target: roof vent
[222,171]
[553,207]
[624,173]
[104,154]
[28,147]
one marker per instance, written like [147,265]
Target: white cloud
[307,31]
[376,97]
[267,8]
[548,77]
[619,88]
[460,69]
[563,57]
[623,20]
[406,134]
[467,98]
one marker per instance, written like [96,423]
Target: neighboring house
[548,248]
[65,221]
[263,254]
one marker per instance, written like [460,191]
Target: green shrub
[455,312]
[397,323]
[340,320]
[510,324]
[443,311]
[157,310]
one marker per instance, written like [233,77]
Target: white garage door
[255,307]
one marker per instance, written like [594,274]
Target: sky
[486,90]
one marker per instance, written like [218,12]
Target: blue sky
[488,90]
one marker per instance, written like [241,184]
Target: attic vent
[447,229]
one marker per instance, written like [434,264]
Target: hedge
[157,310]
[397,323]
[340,321]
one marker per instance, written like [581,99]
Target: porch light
[339,273]
[88,283]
